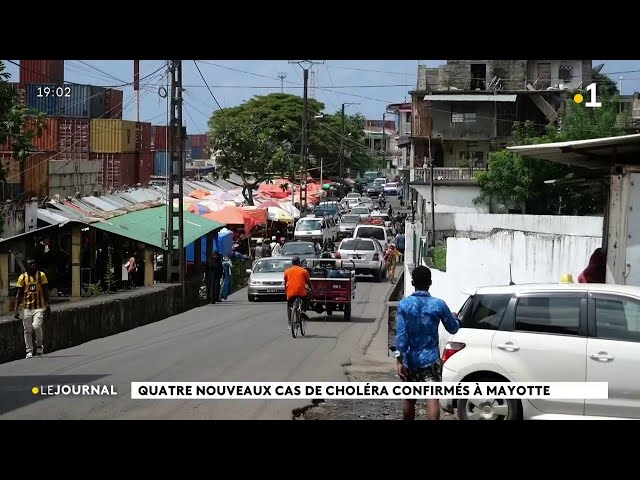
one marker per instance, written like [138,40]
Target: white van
[316,229]
[378,232]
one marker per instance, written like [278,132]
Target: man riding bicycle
[296,281]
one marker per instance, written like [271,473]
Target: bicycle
[298,318]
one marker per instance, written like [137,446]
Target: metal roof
[595,154]
[146,226]
[471,98]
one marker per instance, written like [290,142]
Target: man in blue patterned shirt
[417,340]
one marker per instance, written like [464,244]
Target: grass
[440,257]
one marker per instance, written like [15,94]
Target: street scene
[205,221]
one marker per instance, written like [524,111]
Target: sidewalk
[374,366]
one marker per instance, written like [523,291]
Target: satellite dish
[597,68]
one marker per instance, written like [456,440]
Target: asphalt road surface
[232,341]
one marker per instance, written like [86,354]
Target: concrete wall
[452,199]
[534,258]
[581,70]
[13,221]
[79,322]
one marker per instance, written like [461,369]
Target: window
[618,319]
[484,311]
[371,232]
[357,244]
[560,315]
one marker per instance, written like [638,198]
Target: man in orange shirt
[296,280]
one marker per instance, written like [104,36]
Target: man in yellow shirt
[33,293]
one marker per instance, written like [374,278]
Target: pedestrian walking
[33,294]
[215,273]
[225,288]
[391,257]
[417,339]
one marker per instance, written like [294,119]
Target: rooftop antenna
[282,76]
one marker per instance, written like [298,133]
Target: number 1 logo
[593,103]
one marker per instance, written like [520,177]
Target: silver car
[363,211]
[366,254]
[348,224]
[267,278]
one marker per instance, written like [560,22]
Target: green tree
[19,126]
[249,149]
[279,117]
[514,179]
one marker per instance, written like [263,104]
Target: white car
[548,333]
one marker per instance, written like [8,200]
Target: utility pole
[304,173]
[433,203]
[321,173]
[384,144]
[175,174]
[342,137]
[136,87]
[282,76]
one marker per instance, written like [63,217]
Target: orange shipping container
[36,175]
[41,71]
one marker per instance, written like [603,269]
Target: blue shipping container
[38,99]
[160,162]
[198,153]
[83,101]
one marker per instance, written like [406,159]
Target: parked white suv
[547,333]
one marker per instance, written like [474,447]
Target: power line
[101,71]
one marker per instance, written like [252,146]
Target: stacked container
[113,143]
[41,71]
[161,146]
[197,147]
[113,102]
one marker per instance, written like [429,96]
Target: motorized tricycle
[334,285]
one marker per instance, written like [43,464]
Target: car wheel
[251,298]
[489,408]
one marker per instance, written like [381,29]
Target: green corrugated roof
[146,225]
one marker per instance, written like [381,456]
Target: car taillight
[451,348]
[337,255]
[376,257]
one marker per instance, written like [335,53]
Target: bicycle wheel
[295,321]
[303,322]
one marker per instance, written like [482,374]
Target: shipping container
[160,162]
[48,141]
[145,167]
[68,178]
[199,140]
[41,71]
[74,139]
[36,175]
[118,169]
[144,133]
[10,191]
[83,101]
[11,167]
[199,153]
[113,103]
[160,140]
[43,97]
[113,136]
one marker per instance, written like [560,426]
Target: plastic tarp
[224,243]
[247,216]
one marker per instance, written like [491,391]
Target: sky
[371,84]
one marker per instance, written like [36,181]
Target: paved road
[232,341]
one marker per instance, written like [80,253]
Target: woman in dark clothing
[596,271]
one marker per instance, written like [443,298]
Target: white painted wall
[452,198]
[534,258]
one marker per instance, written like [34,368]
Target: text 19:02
[57,92]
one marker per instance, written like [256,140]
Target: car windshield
[271,266]
[353,195]
[350,219]
[357,244]
[360,210]
[370,232]
[298,249]
[309,224]
[391,185]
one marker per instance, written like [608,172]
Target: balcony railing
[447,173]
